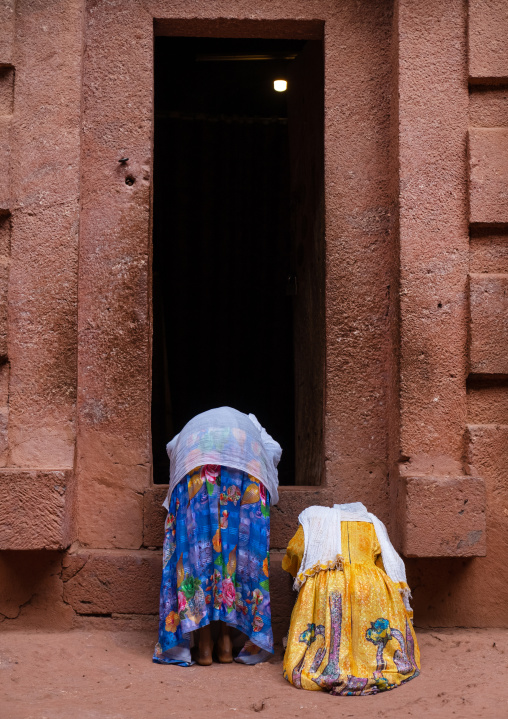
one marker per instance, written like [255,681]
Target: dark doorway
[225,275]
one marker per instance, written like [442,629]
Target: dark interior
[223,263]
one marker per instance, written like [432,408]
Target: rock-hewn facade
[416,225]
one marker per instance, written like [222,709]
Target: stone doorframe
[393,440]
[395,423]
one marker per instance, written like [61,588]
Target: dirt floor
[110,675]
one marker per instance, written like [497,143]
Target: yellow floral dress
[350,632]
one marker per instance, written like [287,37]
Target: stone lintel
[37,508]
[443,517]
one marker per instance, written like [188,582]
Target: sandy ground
[110,675]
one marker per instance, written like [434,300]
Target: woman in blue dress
[223,479]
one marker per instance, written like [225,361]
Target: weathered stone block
[31,591]
[5,150]
[489,249]
[282,594]
[6,31]
[488,106]
[487,403]
[282,597]
[489,324]
[45,189]
[488,175]
[488,455]
[154,515]
[4,436]
[111,581]
[488,30]
[4,280]
[115,512]
[36,507]
[292,501]
[112,477]
[443,517]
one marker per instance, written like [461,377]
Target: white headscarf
[323,546]
[224,436]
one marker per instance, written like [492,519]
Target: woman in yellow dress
[351,629]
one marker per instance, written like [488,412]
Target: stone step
[127,582]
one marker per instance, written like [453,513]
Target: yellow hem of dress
[301,578]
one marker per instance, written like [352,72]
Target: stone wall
[416,388]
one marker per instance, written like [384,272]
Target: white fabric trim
[224,436]
[322,541]
[393,563]
[323,546]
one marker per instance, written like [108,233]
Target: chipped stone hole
[130,180]
[6,89]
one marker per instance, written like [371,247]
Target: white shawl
[323,547]
[227,437]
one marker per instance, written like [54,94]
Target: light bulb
[280,85]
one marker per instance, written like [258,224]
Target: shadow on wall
[442,587]
[32,587]
[31,590]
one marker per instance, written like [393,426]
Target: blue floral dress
[216,563]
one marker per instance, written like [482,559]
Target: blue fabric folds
[216,562]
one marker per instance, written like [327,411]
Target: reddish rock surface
[488,28]
[456,505]
[488,160]
[37,509]
[108,582]
[415,373]
[44,205]
[488,106]
[109,675]
[489,323]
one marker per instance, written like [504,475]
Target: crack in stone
[21,606]
[65,569]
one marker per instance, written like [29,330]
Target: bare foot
[224,647]
[204,654]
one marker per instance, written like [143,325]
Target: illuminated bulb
[280,85]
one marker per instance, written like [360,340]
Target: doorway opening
[238,247]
